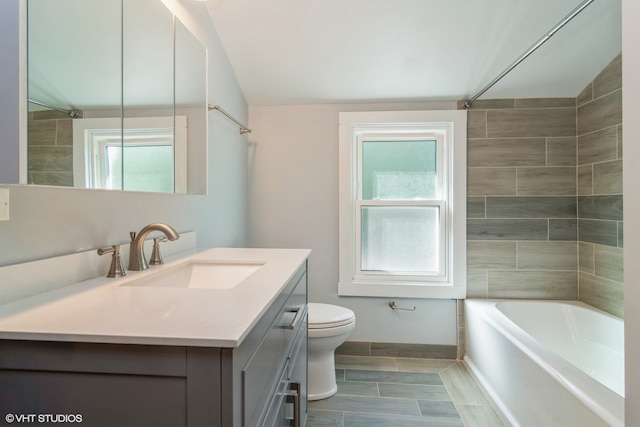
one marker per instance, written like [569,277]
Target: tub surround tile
[563,230]
[586,257]
[477,284]
[531,207]
[531,122]
[585,180]
[609,79]
[506,152]
[600,207]
[597,231]
[545,102]
[604,294]
[60,179]
[42,132]
[619,142]
[491,255]
[620,234]
[491,181]
[475,207]
[507,229]
[547,255]
[598,146]
[601,113]
[546,181]
[586,95]
[609,263]
[491,104]
[561,151]
[533,284]
[607,177]
[476,124]
[51,159]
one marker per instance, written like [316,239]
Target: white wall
[47,221]
[293,202]
[631,178]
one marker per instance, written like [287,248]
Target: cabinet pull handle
[294,321]
[293,396]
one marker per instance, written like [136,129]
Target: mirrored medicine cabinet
[116,97]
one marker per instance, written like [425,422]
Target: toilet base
[322,376]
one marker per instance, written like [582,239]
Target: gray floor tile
[371,405]
[393,377]
[432,408]
[357,388]
[325,419]
[369,420]
[412,391]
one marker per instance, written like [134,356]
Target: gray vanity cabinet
[261,383]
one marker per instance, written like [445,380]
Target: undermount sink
[200,274]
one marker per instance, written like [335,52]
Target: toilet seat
[323,316]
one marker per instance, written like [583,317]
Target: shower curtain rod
[71,113]
[243,129]
[547,36]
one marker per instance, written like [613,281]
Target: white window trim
[351,283]
[91,131]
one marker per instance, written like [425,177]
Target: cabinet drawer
[263,369]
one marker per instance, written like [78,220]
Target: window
[402,179]
[139,158]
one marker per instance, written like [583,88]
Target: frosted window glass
[399,170]
[147,168]
[400,239]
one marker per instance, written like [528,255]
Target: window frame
[358,127]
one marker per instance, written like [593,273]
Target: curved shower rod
[547,36]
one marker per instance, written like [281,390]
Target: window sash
[439,275]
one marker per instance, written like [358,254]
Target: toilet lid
[329,316]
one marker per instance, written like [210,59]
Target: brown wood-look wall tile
[476,124]
[506,152]
[491,255]
[507,229]
[601,113]
[531,207]
[600,207]
[585,180]
[607,177]
[563,230]
[533,284]
[561,151]
[475,207]
[598,146]
[609,79]
[604,294]
[598,231]
[586,257]
[609,263]
[546,181]
[491,181]
[531,122]
[547,255]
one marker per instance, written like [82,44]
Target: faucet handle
[116,269]
[156,258]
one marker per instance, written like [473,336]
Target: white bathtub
[548,363]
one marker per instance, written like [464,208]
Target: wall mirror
[116,97]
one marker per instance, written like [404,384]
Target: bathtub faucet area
[137,259]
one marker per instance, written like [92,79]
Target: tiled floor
[403,392]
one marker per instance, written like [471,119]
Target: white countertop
[103,310]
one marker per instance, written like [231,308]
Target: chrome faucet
[137,260]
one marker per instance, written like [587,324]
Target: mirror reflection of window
[142,158]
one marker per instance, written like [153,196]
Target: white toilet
[329,327]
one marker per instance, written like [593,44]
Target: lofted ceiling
[335,51]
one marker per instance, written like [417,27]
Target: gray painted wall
[9,54]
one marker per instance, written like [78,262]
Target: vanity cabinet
[262,382]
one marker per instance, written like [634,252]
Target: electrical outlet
[4,204]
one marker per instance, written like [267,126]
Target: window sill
[401,290]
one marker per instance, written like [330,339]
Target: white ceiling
[331,51]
